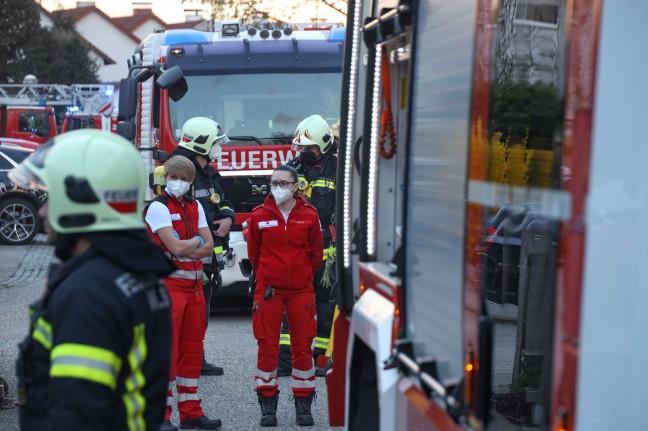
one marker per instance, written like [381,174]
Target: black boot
[208,369]
[168,426]
[268,409]
[304,417]
[201,423]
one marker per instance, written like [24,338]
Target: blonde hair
[180,165]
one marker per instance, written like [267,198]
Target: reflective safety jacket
[208,192]
[285,254]
[98,350]
[317,182]
[184,220]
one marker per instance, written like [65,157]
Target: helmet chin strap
[65,245]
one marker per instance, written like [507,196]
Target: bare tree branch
[335,8]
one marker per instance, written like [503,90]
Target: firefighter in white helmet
[102,331]
[201,142]
[316,165]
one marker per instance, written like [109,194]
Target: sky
[172,11]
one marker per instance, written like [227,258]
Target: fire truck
[492,217]
[91,107]
[258,83]
[27,110]
[31,111]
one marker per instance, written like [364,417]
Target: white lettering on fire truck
[255,159]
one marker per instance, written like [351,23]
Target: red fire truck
[492,217]
[91,108]
[27,110]
[258,83]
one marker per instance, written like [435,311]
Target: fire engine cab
[492,216]
[258,83]
[27,110]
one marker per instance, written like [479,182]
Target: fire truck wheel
[19,221]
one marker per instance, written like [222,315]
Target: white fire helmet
[313,130]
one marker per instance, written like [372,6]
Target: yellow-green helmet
[200,133]
[313,130]
[95,181]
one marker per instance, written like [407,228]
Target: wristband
[202,241]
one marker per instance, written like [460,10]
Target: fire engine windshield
[257,108]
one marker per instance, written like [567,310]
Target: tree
[58,55]
[19,25]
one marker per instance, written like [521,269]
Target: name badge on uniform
[270,223]
[175,216]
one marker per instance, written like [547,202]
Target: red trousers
[188,322]
[267,315]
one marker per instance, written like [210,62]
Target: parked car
[21,143]
[19,220]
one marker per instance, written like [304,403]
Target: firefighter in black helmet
[317,168]
[201,142]
[98,351]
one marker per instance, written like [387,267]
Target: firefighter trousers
[325,310]
[188,322]
[300,309]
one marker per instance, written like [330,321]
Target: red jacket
[285,255]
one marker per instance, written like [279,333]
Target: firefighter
[317,167]
[98,350]
[201,142]
[285,248]
[177,223]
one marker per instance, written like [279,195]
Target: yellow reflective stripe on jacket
[321,343]
[284,339]
[43,333]
[329,184]
[223,208]
[133,399]
[80,361]
[218,249]
[328,252]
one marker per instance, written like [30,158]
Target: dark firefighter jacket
[98,351]
[318,184]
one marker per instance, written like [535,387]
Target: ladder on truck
[35,94]
[93,98]
[82,98]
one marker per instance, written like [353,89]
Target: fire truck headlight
[176,51]
[265,33]
[276,34]
[230,29]
[252,31]
[287,31]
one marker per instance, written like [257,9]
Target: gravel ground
[229,343]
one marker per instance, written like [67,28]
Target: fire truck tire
[19,221]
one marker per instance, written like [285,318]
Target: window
[545,11]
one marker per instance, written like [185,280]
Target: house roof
[105,57]
[79,13]
[133,22]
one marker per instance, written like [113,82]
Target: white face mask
[281,195]
[215,152]
[177,187]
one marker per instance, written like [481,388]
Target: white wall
[146,28]
[109,39]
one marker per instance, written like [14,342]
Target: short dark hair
[290,169]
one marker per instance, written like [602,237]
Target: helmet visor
[25,175]
[300,141]
[221,138]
